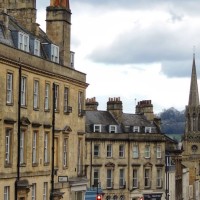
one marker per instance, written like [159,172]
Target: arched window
[115,197]
[122,197]
[108,198]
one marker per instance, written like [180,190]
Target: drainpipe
[90,163]
[19,127]
[52,152]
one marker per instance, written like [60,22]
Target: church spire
[194,94]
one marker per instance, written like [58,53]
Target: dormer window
[97,128]
[72,59]
[147,129]
[54,53]
[136,129]
[23,41]
[112,129]
[36,47]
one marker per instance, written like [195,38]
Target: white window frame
[158,151]
[80,102]
[112,129]
[147,151]
[54,53]
[66,99]
[9,88]
[20,40]
[109,151]
[34,147]
[22,146]
[36,94]
[6,192]
[97,128]
[136,129]
[109,178]
[46,98]
[46,136]
[147,182]
[26,43]
[96,176]
[23,41]
[23,90]
[33,193]
[8,146]
[65,151]
[135,151]
[36,47]
[72,59]
[56,97]
[121,178]
[45,191]
[96,150]
[159,178]
[148,129]
[135,178]
[121,151]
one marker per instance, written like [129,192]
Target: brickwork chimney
[23,11]
[114,105]
[91,104]
[145,107]
[58,28]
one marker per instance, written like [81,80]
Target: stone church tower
[191,139]
[192,113]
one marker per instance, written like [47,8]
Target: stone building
[125,153]
[191,140]
[41,105]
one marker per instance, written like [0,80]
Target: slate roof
[100,117]
[135,120]
[15,26]
[105,118]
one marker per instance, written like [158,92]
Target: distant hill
[173,121]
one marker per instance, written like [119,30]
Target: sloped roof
[100,117]
[14,26]
[105,118]
[135,120]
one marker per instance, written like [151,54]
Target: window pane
[46,147]
[46,101]
[23,91]
[36,94]
[65,99]
[9,87]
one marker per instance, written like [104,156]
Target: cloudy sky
[135,50]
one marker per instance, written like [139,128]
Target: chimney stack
[58,28]
[114,105]
[91,104]
[24,12]
[145,107]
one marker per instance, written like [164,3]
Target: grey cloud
[147,46]
[173,49]
[183,6]
[177,68]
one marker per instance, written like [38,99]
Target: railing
[122,184]
[81,113]
[67,109]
